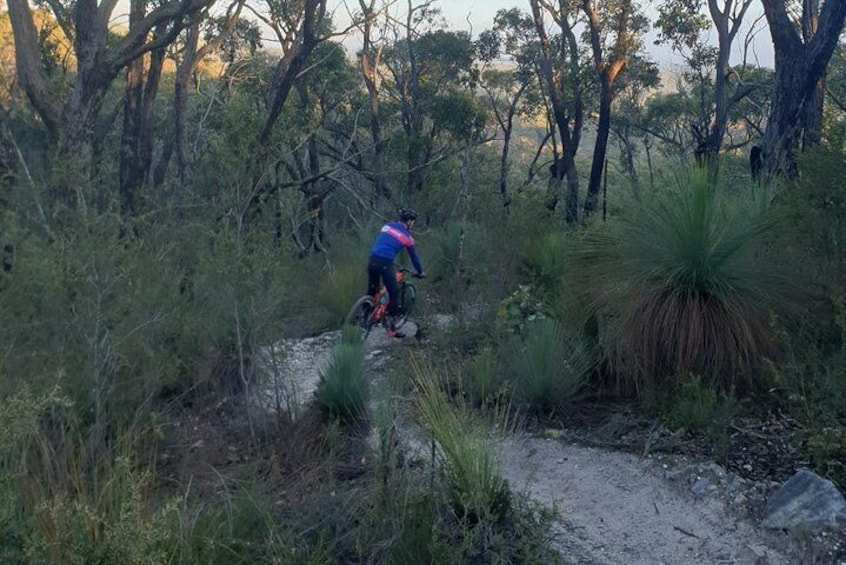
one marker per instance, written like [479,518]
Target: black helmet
[407,215]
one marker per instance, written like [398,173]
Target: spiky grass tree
[343,389]
[468,452]
[689,280]
[548,367]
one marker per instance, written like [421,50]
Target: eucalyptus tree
[298,25]
[70,112]
[370,62]
[513,36]
[683,25]
[562,73]
[226,36]
[320,140]
[628,120]
[505,89]
[614,30]
[430,71]
[802,54]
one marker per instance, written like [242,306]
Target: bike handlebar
[402,269]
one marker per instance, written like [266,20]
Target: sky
[478,15]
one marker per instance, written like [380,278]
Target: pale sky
[480,13]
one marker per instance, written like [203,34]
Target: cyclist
[392,238]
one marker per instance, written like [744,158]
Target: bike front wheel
[408,298]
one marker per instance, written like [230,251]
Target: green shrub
[548,367]
[699,406]
[548,259]
[343,389]
[483,381]
[116,527]
[341,277]
[826,449]
[687,280]
[467,451]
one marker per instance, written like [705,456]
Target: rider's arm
[415,260]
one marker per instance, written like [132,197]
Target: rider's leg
[374,273]
[389,279]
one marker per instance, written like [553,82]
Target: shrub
[699,406]
[687,281]
[548,260]
[548,367]
[341,277]
[482,379]
[468,453]
[343,390]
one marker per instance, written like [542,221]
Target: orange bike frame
[380,309]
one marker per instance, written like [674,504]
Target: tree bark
[71,119]
[568,118]
[799,68]
[137,138]
[369,61]
[606,72]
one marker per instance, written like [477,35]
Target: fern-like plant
[688,280]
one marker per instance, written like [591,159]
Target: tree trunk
[567,115]
[792,95]
[600,147]
[137,138]
[503,162]
[180,111]
[799,68]
[369,62]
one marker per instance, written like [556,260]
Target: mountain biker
[392,238]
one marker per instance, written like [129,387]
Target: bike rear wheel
[408,297]
[360,313]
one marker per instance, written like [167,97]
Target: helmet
[407,215]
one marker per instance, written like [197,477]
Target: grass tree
[343,390]
[689,280]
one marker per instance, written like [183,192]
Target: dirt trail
[611,507]
[615,508]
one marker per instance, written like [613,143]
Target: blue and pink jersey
[391,240]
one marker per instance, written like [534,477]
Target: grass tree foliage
[342,392]
[690,279]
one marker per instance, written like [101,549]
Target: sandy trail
[613,507]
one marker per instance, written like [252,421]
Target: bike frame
[380,309]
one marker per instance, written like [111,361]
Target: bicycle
[370,311]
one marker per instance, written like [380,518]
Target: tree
[682,25]
[801,60]
[614,29]
[628,119]
[505,91]
[142,86]
[560,69]
[428,68]
[71,116]
[226,34]
[370,61]
[297,27]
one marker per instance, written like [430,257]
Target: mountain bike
[370,311]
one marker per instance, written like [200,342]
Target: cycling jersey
[391,240]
